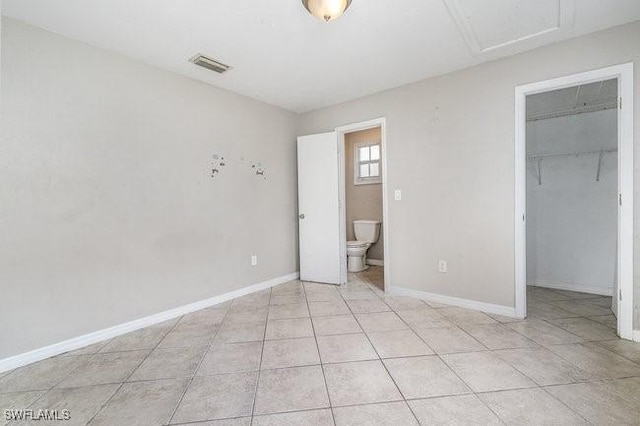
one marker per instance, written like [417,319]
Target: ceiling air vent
[209,63]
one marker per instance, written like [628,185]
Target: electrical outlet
[398,195]
[442,266]
[254,260]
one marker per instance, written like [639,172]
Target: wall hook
[217,164]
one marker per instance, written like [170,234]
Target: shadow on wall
[364,201]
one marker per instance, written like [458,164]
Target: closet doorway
[574,208]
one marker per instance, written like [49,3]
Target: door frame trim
[341,131]
[624,74]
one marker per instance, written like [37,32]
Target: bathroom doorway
[362,152]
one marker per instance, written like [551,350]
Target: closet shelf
[571,154]
[539,157]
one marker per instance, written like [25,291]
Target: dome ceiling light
[327,10]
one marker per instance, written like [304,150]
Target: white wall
[108,212]
[451,152]
[571,217]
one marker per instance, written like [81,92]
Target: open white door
[319,209]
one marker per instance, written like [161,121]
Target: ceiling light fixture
[327,10]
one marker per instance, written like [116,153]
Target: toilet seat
[357,244]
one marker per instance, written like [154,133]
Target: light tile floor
[312,354]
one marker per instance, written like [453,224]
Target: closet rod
[571,154]
[613,104]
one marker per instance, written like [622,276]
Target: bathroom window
[367,165]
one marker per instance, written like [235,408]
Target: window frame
[357,180]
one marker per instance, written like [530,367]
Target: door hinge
[620,198]
[620,102]
[620,294]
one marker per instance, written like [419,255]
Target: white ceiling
[573,100]
[283,56]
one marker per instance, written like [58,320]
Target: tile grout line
[315,338]
[544,388]
[563,403]
[547,320]
[473,392]
[599,343]
[90,357]
[264,340]
[537,386]
[62,379]
[584,340]
[450,369]
[195,371]
[150,380]
[596,344]
[200,422]
[47,391]
[133,370]
[382,362]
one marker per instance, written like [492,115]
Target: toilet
[367,233]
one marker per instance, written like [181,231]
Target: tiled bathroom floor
[311,354]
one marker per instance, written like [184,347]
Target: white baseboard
[375,262]
[111,332]
[455,301]
[582,288]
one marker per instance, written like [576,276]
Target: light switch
[398,195]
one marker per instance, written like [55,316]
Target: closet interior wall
[571,201]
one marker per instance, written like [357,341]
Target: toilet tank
[366,230]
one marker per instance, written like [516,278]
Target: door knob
[301,216]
